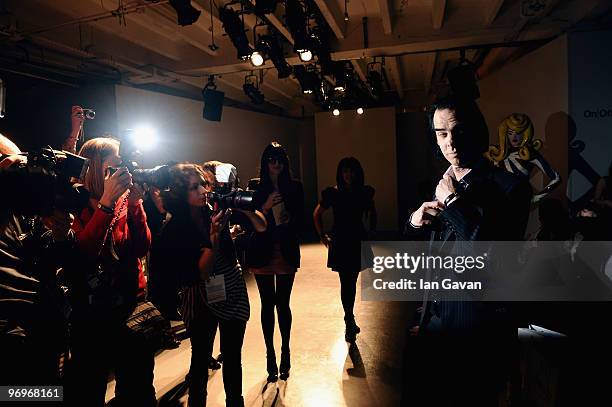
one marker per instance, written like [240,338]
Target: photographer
[33,327]
[112,235]
[196,246]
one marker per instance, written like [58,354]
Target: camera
[231,198]
[226,193]
[43,183]
[158,176]
[89,114]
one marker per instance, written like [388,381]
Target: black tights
[348,291]
[275,296]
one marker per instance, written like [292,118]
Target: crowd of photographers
[74,234]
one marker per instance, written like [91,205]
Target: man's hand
[59,224]
[426,213]
[445,187]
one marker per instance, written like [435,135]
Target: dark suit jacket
[493,206]
[259,251]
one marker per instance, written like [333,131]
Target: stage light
[336,112]
[268,44]
[360,110]
[306,56]
[297,21]
[251,89]
[144,137]
[257,58]
[235,30]
[186,14]
[309,81]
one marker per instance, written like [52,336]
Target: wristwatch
[106,209]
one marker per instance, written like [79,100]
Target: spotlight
[268,44]
[235,30]
[360,110]
[375,84]
[342,77]
[252,90]
[309,81]
[306,56]
[298,26]
[185,13]
[144,137]
[336,112]
[257,58]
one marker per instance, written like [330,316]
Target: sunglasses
[276,160]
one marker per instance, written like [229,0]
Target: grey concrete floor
[325,370]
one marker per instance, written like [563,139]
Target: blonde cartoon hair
[519,123]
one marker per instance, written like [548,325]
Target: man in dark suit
[463,343]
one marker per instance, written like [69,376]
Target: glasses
[276,160]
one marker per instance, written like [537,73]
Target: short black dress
[348,230]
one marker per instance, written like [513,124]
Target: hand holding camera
[115,186]
[218,222]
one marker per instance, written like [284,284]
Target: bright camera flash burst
[145,137]
[336,112]
[360,110]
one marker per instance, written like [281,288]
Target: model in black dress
[352,202]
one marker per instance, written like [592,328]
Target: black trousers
[202,332]
[96,346]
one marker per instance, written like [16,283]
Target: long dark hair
[355,166]
[274,149]
[175,197]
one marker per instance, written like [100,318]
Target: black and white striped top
[236,304]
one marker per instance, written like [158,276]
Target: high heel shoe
[271,368]
[285,365]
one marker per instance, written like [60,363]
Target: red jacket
[131,237]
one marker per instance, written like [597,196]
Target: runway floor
[325,370]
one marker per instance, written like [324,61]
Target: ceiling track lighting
[186,14]
[251,89]
[234,27]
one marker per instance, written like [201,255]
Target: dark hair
[354,165]
[274,149]
[175,198]
[468,113]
